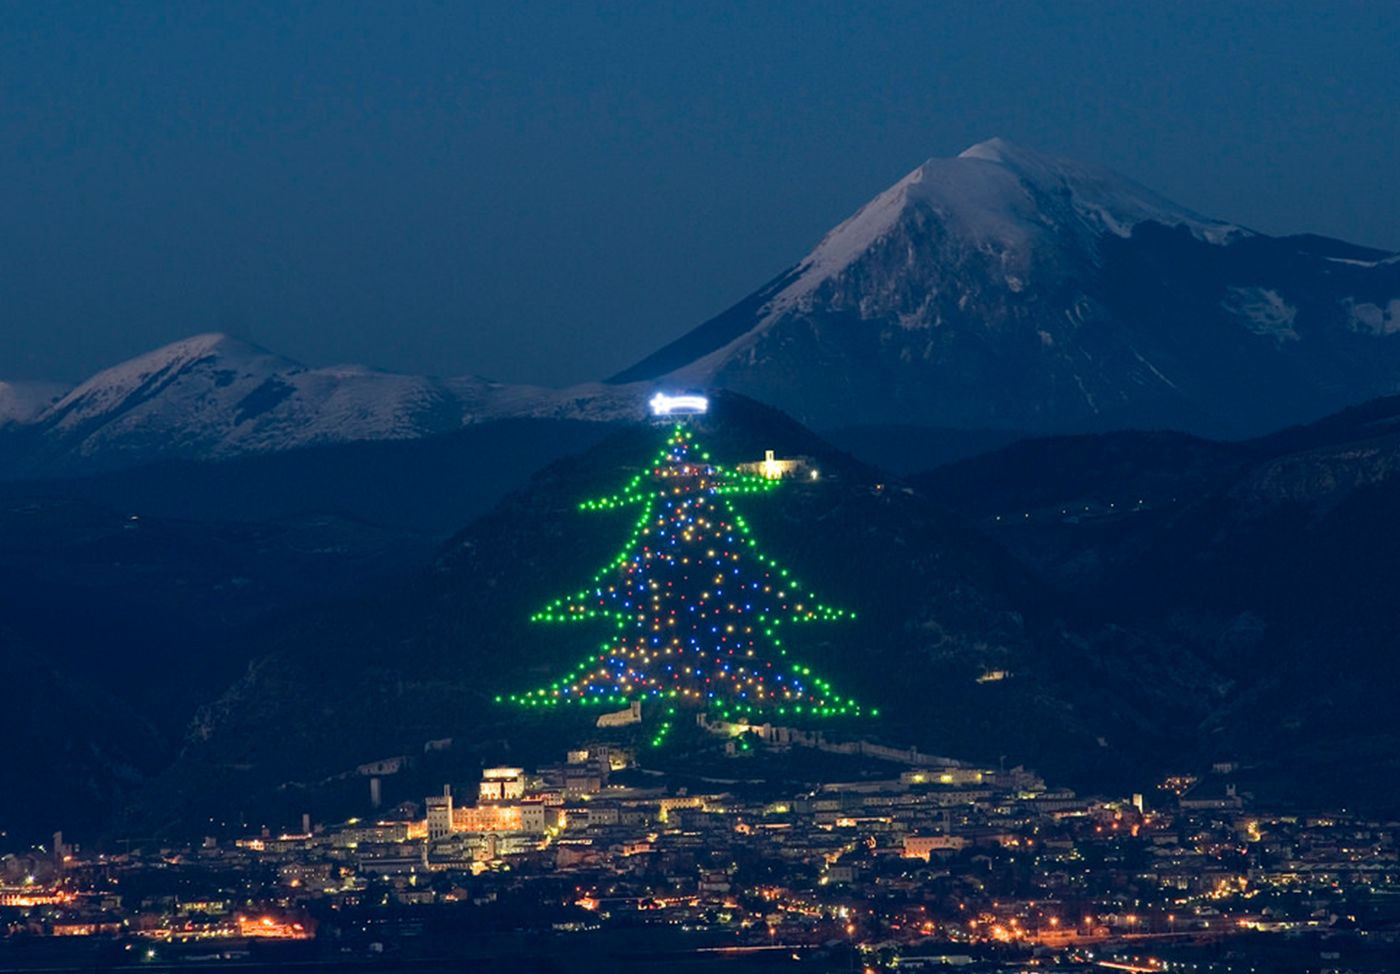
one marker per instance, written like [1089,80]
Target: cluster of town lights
[697,609]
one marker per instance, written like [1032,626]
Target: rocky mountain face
[1008,290]
[213,397]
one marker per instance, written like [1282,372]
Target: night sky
[547,192]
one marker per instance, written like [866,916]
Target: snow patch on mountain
[1105,200]
[1373,319]
[1263,312]
[1394,259]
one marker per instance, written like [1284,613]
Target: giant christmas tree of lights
[697,612]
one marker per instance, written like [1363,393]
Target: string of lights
[697,611]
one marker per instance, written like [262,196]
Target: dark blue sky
[546,192]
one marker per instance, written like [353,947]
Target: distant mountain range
[214,397]
[1000,293]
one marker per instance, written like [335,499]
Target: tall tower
[440,815]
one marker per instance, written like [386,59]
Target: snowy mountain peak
[182,368]
[996,203]
[197,348]
[995,149]
[1025,187]
[207,343]
[999,194]
[1026,161]
[1006,288]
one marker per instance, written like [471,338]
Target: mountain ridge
[212,396]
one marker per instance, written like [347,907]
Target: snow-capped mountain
[999,290]
[215,397]
[1007,289]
